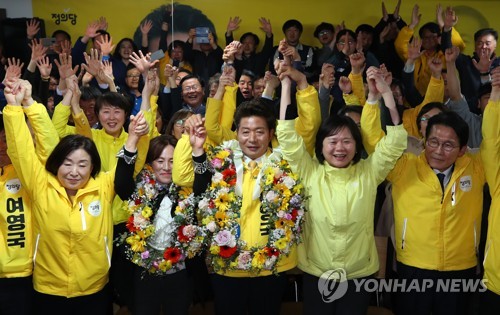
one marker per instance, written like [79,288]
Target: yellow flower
[146,212]
[149,231]
[136,243]
[297,189]
[259,258]
[184,192]
[214,249]
[220,218]
[222,154]
[280,244]
[207,220]
[223,200]
[165,265]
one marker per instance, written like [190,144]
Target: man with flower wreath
[252,212]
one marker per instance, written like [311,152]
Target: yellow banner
[125,16]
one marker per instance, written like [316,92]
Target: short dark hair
[427,108]
[192,76]
[113,99]
[351,109]
[292,23]
[89,92]
[333,125]
[485,31]
[157,145]
[258,108]
[61,32]
[250,34]
[102,32]
[180,114]
[249,74]
[69,144]
[365,28]
[323,27]
[452,120]
[116,53]
[175,44]
[431,27]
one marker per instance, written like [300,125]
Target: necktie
[253,168]
[441,180]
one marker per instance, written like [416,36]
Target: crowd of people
[158,179]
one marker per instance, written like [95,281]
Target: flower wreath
[282,198]
[185,239]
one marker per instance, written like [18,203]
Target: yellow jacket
[436,230]
[16,242]
[422,73]
[73,237]
[490,152]
[338,231]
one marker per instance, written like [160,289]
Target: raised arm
[490,146]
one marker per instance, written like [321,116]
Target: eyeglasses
[423,118]
[180,122]
[349,42]
[133,76]
[190,88]
[447,146]
[325,32]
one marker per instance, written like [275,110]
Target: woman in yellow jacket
[338,242]
[72,210]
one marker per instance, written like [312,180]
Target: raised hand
[450,19]
[327,76]
[233,24]
[32,28]
[141,62]
[415,16]
[451,55]
[195,127]
[485,61]
[147,26]
[271,80]
[386,74]
[13,69]
[265,25]
[414,49]
[439,15]
[385,15]
[93,62]
[14,92]
[106,45]
[91,30]
[65,47]
[396,10]
[345,85]
[38,51]
[102,24]
[45,67]
[65,66]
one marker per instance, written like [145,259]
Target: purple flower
[145,255]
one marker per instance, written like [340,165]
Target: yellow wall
[125,15]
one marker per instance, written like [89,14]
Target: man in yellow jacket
[438,197]
[490,147]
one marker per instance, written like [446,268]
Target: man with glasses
[438,197]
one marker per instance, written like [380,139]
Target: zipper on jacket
[36,248]
[82,214]
[405,220]
[475,240]
[108,254]
[453,199]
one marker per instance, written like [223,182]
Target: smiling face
[430,40]
[75,171]
[447,149]
[192,92]
[339,149]
[254,136]
[112,119]
[126,49]
[162,166]
[486,44]
[132,79]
